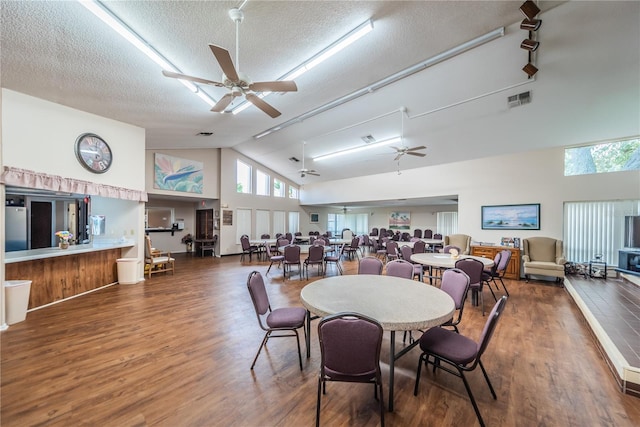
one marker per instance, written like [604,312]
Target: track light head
[530,24]
[529,9]
[530,45]
[530,69]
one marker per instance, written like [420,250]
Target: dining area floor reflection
[177,350]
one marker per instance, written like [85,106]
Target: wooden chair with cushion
[156,261]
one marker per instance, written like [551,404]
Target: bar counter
[58,274]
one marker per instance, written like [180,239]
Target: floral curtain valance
[31,179]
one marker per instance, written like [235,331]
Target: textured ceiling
[57,50]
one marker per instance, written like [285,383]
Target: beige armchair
[543,256]
[460,240]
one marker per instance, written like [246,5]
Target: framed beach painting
[399,221]
[511,217]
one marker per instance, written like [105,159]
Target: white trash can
[16,294]
[127,271]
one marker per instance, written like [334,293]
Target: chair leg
[299,352]
[486,377]
[473,400]
[421,360]
[381,402]
[492,293]
[503,285]
[264,340]
[318,402]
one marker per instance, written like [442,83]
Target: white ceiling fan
[238,83]
[401,151]
[304,171]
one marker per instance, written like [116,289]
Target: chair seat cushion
[450,345]
[545,265]
[288,317]
[276,258]
[161,259]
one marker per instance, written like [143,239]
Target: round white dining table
[398,304]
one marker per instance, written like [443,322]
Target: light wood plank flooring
[176,351]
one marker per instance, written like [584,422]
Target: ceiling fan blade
[278,86]
[314,173]
[224,59]
[258,102]
[399,150]
[398,157]
[222,103]
[415,154]
[191,78]
[422,147]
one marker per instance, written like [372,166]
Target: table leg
[308,337]
[392,362]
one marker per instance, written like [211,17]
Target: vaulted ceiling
[60,52]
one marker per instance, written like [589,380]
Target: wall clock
[93,153]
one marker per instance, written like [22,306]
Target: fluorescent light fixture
[319,57]
[357,149]
[461,48]
[121,28]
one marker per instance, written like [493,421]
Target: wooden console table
[513,269]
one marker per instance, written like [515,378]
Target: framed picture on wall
[511,217]
[227,217]
[314,218]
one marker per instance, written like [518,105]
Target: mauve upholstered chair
[455,282]
[370,265]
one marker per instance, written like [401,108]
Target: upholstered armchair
[543,256]
[462,241]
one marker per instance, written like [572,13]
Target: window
[358,223]
[294,222]
[592,228]
[601,158]
[278,188]
[293,192]
[262,183]
[262,223]
[243,177]
[243,221]
[278,223]
[447,223]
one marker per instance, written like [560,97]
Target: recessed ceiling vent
[204,134]
[293,159]
[368,139]
[519,99]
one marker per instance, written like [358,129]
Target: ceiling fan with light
[238,83]
[304,171]
[401,151]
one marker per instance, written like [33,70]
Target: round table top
[446,260]
[398,304]
[263,241]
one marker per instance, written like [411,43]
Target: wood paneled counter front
[513,269]
[57,274]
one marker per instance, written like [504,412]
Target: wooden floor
[176,351]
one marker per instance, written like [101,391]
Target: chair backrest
[297,233]
[504,261]
[472,267]
[392,248]
[437,236]
[490,325]
[428,234]
[417,233]
[370,265]
[447,249]
[347,234]
[292,253]
[455,282]
[283,242]
[244,241]
[383,232]
[355,242]
[496,263]
[289,237]
[312,239]
[350,346]
[316,253]
[406,252]
[255,284]
[265,236]
[400,268]
[419,247]
[463,241]
[374,231]
[542,248]
[366,241]
[147,247]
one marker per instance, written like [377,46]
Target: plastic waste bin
[16,293]
[127,271]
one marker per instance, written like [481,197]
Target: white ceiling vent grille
[519,99]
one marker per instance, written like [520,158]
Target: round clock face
[93,153]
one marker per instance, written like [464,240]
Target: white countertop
[34,254]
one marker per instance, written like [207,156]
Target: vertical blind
[244,223]
[278,223]
[446,223]
[592,228]
[294,222]
[262,222]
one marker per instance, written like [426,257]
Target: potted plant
[187,239]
